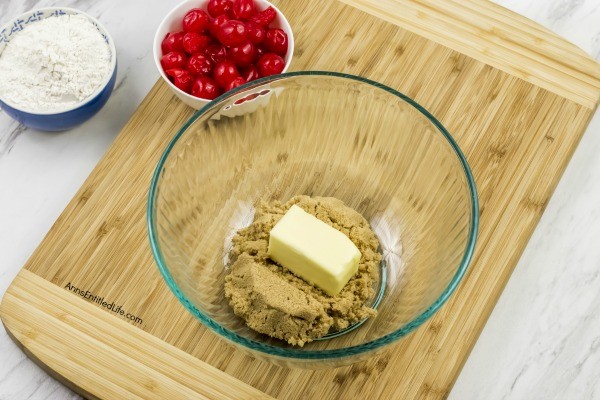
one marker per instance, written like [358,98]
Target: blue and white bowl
[69,117]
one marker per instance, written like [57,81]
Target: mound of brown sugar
[274,301]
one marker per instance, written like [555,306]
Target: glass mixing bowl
[318,134]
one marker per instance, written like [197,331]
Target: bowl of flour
[58,67]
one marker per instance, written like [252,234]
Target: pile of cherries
[223,47]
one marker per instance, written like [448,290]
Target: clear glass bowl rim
[317,354]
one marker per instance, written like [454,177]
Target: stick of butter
[313,250]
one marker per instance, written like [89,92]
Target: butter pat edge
[313,250]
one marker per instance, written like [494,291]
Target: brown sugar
[274,301]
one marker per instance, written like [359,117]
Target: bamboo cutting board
[516,97]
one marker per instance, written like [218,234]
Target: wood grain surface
[490,33]
[517,108]
[78,339]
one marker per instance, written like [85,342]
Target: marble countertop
[542,340]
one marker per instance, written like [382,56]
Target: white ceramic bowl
[172,23]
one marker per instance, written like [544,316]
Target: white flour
[53,64]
